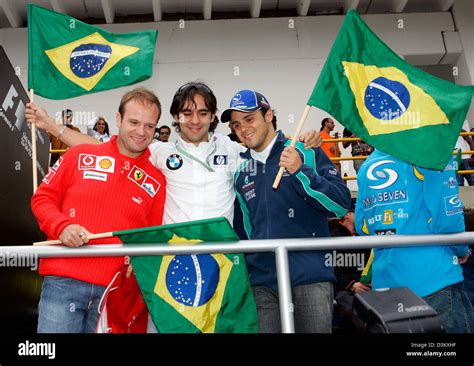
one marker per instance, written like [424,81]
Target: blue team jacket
[398,198]
[297,209]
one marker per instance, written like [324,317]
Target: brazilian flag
[387,102]
[204,293]
[68,58]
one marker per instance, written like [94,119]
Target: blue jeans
[468,273]
[454,308]
[313,307]
[469,177]
[68,306]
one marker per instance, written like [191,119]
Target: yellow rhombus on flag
[202,316]
[68,58]
[390,104]
[62,56]
[198,293]
[416,108]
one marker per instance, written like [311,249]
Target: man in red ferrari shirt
[93,189]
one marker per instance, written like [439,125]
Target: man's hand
[39,117]
[290,159]
[311,139]
[74,235]
[360,287]
[129,267]
[129,271]
[462,260]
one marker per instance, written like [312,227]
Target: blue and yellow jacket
[297,209]
[396,198]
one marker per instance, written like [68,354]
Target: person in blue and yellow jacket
[309,192]
[397,198]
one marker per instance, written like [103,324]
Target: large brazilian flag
[68,58]
[387,102]
[204,293]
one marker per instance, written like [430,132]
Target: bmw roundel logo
[174,162]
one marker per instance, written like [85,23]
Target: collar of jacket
[204,146]
[279,143]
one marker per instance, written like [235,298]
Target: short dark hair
[186,93]
[164,127]
[274,119]
[66,113]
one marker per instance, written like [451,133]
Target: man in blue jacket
[397,198]
[310,191]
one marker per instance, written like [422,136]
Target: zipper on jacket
[265,200]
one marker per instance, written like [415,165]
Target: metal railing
[281,247]
[363,157]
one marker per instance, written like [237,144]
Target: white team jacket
[199,179]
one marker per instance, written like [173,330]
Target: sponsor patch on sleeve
[453,205]
[57,163]
[48,177]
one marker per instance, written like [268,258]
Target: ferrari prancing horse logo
[137,174]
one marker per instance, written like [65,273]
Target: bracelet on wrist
[61,132]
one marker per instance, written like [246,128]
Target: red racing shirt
[99,188]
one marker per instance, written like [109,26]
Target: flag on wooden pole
[68,58]
[390,104]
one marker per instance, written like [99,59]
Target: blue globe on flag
[192,279]
[88,59]
[386,99]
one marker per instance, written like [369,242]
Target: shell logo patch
[104,164]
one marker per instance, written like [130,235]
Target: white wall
[265,54]
[463,14]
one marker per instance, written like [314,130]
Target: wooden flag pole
[33,148]
[293,143]
[90,237]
